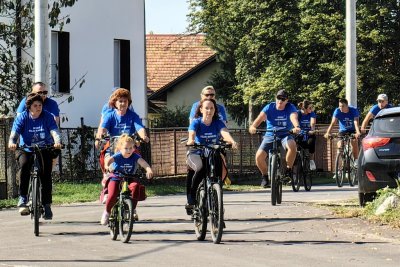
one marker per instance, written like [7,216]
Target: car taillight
[373,142]
[370,176]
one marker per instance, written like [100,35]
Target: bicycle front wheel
[200,214]
[274,178]
[216,213]
[36,204]
[339,169]
[126,219]
[307,178]
[352,172]
[113,222]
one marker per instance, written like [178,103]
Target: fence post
[175,154]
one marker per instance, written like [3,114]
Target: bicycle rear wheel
[126,219]
[216,213]
[200,214]
[113,222]
[352,172]
[36,204]
[297,173]
[274,179]
[339,169]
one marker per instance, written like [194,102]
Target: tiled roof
[170,56]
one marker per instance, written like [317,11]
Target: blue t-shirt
[34,131]
[117,125]
[206,134]
[124,165]
[346,120]
[375,109]
[305,120]
[106,108]
[221,111]
[49,105]
[279,119]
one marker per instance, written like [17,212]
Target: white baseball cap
[382,97]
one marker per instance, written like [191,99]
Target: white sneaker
[313,167]
[104,199]
[334,177]
[104,218]
[355,163]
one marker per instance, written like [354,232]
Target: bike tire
[113,222]
[339,169]
[126,219]
[307,177]
[274,179]
[279,193]
[200,214]
[216,213]
[36,204]
[297,174]
[352,172]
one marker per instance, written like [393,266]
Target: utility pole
[42,53]
[351,54]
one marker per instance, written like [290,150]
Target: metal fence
[165,153]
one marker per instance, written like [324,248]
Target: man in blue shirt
[282,116]
[347,116]
[48,104]
[208,92]
[382,103]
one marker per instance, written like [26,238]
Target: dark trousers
[25,162]
[309,143]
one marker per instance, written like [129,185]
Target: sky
[166,16]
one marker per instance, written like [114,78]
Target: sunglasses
[43,92]
[381,101]
[281,98]
[209,95]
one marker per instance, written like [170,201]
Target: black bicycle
[301,168]
[209,196]
[35,206]
[344,165]
[122,214]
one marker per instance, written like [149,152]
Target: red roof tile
[170,56]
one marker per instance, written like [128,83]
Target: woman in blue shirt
[205,128]
[34,126]
[307,120]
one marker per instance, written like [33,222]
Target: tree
[17,36]
[300,46]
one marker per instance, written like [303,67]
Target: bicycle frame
[345,161]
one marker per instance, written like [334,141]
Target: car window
[386,125]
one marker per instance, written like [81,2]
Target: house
[178,67]
[105,45]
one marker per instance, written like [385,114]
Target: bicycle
[344,164]
[122,214]
[276,166]
[35,206]
[209,195]
[301,167]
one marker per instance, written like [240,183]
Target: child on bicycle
[124,161]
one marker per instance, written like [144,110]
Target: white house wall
[94,26]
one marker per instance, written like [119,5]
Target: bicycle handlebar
[36,147]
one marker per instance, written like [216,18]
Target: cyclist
[348,117]
[123,161]
[48,104]
[307,120]
[206,128]
[382,103]
[281,115]
[34,126]
[120,119]
[208,92]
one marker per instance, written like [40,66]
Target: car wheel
[364,198]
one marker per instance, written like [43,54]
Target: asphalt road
[257,234]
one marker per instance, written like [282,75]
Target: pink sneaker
[104,218]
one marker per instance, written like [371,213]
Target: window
[122,68]
[60,68]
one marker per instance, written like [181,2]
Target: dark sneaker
[189,209]
[265,181]
[23,200]
[48,214]
[24,211]
[288,176]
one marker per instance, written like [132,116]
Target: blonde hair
[125,138]
[208,87]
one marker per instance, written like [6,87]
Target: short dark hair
[32,97]
[39,83]
[344,101]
